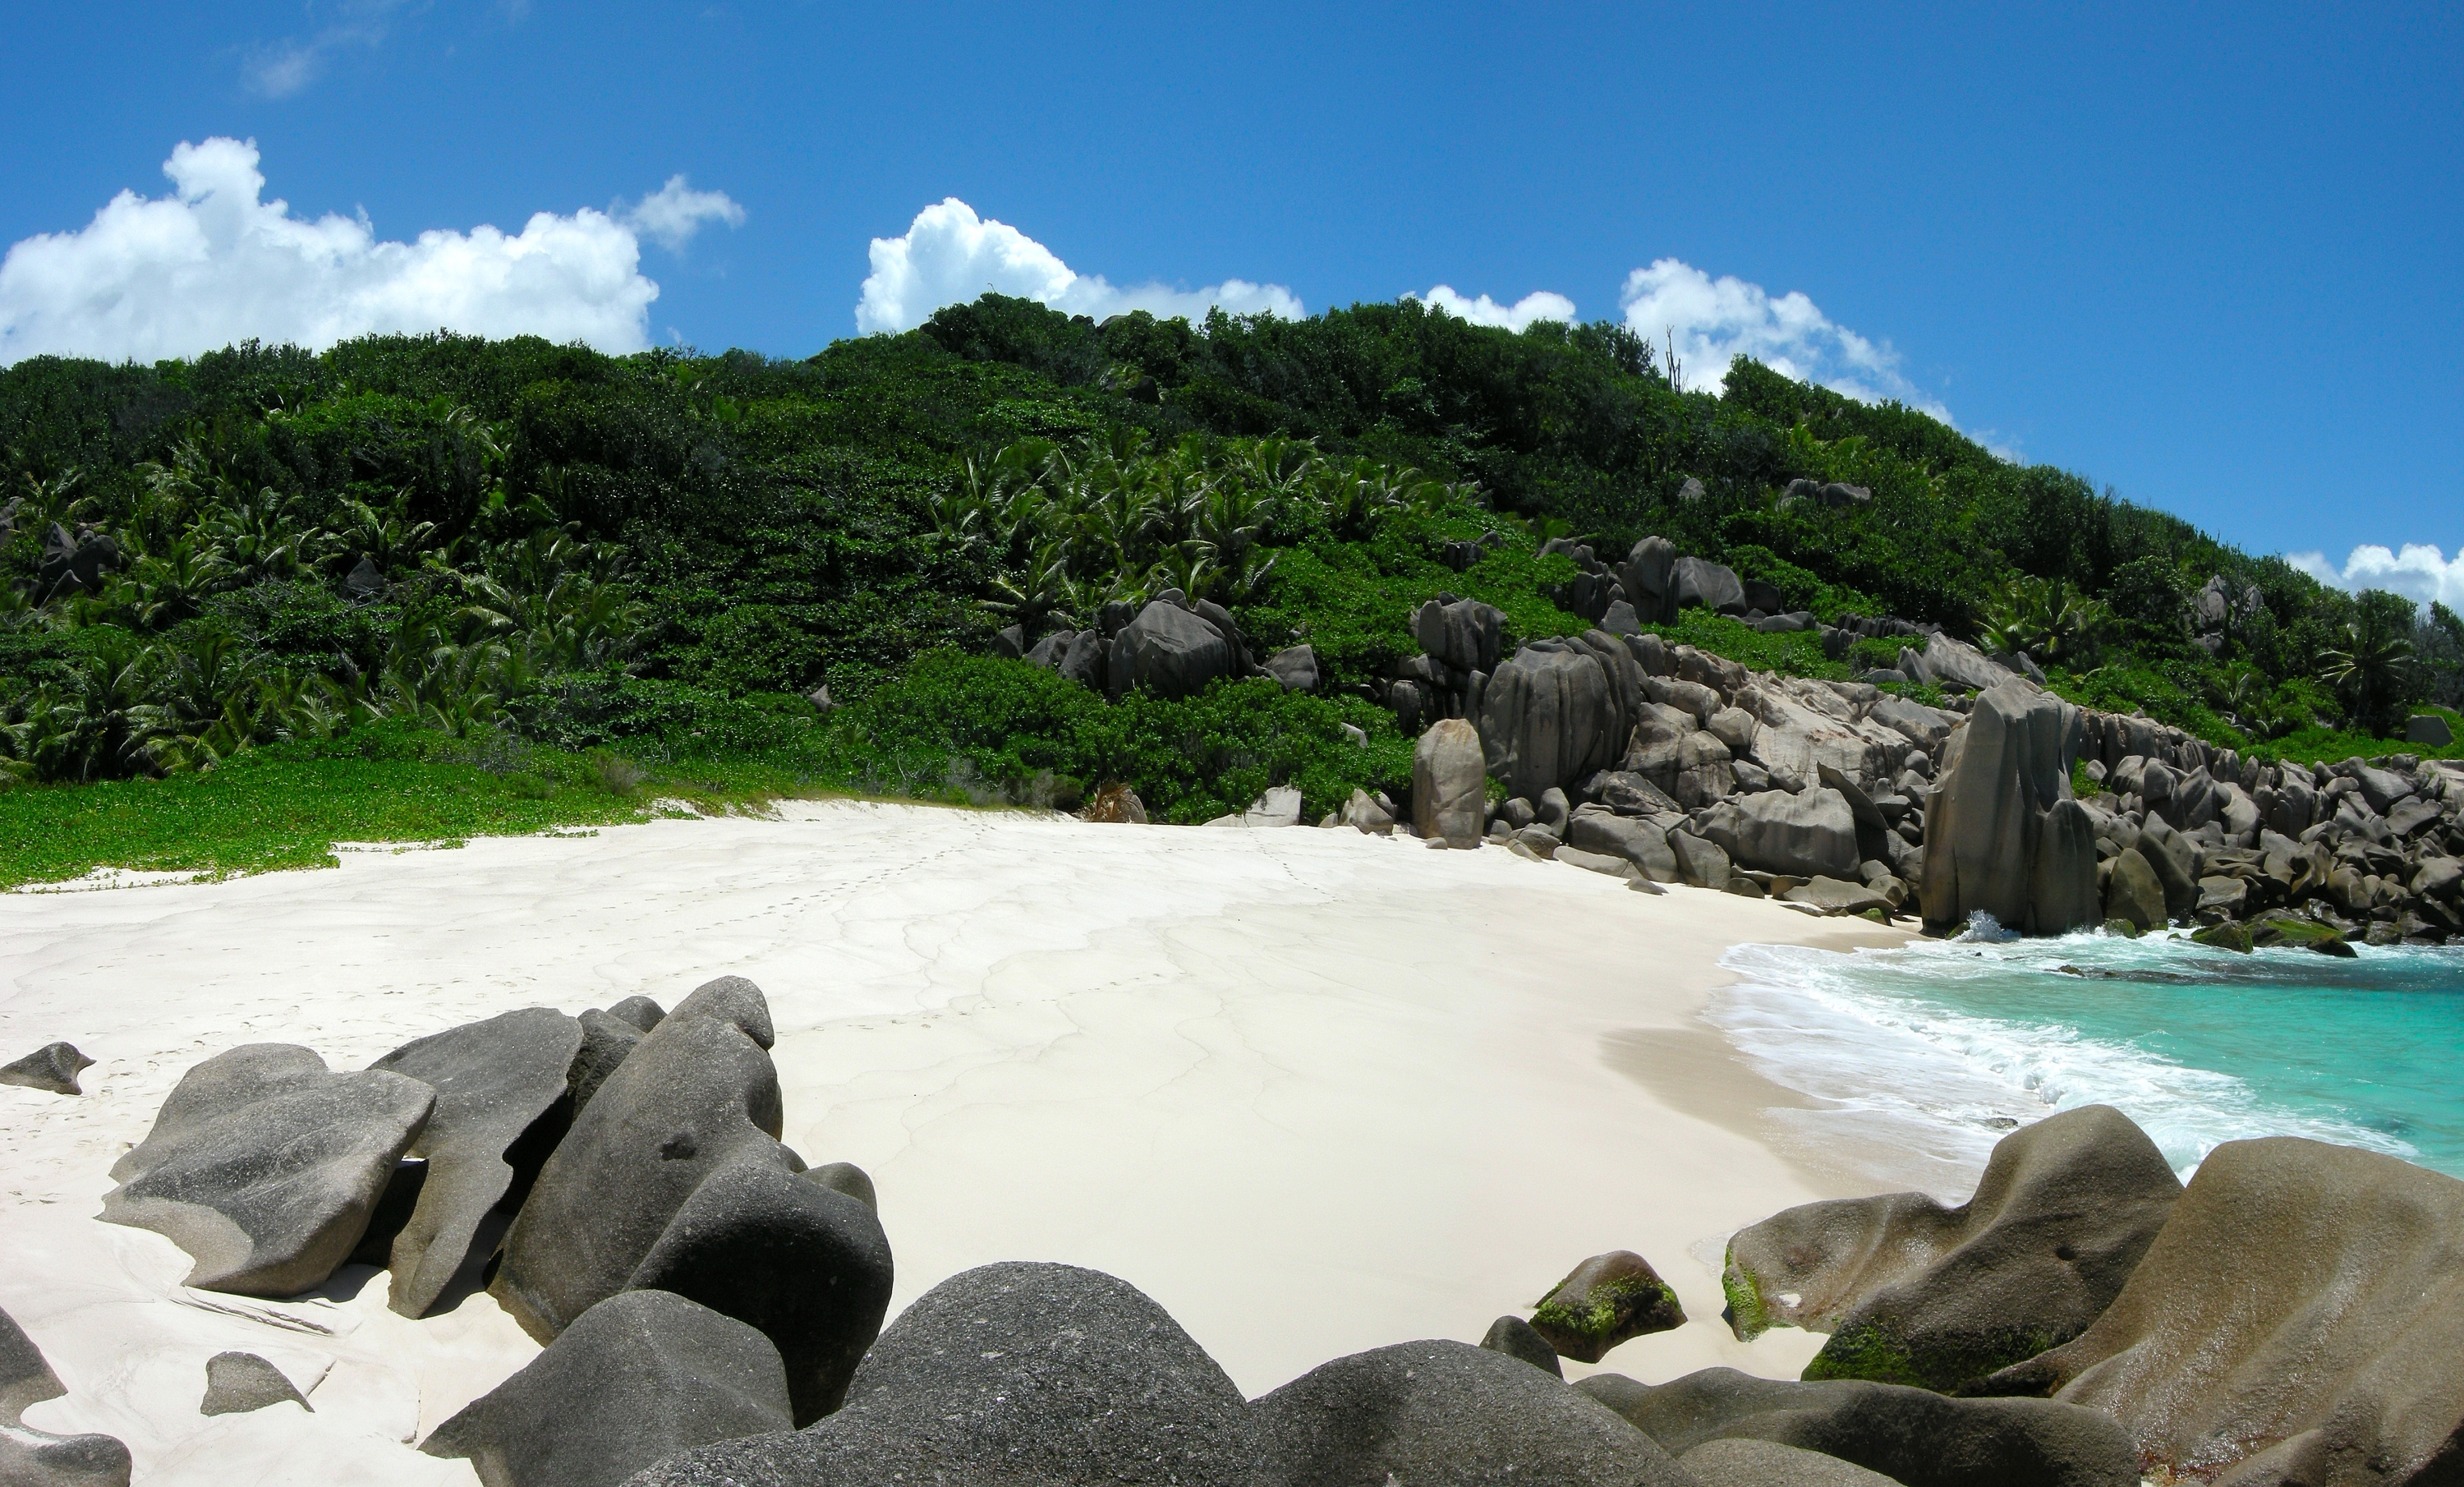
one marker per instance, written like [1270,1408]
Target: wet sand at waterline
[1314,1092]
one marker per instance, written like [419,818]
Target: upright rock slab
[1919,1294]
[493,1080]
[1986,825]
[1444,1411]
[1464,634]
[1015,1373]
[1449,784]
[265,1165]
[698,1094]
[635,1380]
[2297,1320]
[1557,712]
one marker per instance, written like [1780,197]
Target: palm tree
[2372,669]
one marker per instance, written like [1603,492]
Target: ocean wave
[1891,1046]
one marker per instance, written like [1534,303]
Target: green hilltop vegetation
[519,582]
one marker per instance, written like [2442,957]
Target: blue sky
[2209,257]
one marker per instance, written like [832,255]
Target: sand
[1314,1092]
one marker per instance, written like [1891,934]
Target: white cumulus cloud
[671,215]
[950,255]
[2420,573]
[213,263]
[1540,305]
[1712,320]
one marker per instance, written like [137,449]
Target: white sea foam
[1896,1070]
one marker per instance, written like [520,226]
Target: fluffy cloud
[1541,305]
[671,215]
[949,255]
[213,263]
[1713,319]
[2420,573]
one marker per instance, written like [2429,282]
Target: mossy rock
[1608,1298]
[2123,928]
[2230,935]
[2305,933]
[1880,1355]
[1748,1316]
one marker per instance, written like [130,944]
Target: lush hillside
[517,544]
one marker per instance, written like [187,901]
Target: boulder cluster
[2291,1316]
[2260,854]
[73,562]
[692,1277]
[1172,647]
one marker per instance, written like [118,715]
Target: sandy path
[1314,1092]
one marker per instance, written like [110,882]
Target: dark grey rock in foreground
[1607,1299]
[640,1012]
[1017,1374]
[606,1041]
[805,1264]
[698,1094]
[638,1379]
[1915,1292]
[237,1382]
[54,1067]
[1763,1463]
[1912,1435]
[493,1079]
[1439,1412]
[265,1165]
[37,1458]
[1513,1337]
[25,1377]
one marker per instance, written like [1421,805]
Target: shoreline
[1315,1092]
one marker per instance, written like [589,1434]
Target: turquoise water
[1938,1047]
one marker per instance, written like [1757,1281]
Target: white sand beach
[1314,1092]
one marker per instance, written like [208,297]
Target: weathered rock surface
[1916,1293]
[1294,667]
[494,1081]
[1449,784]
[1605,1300]
[239,1382]
[1986,825]
[1807,835]
[53,1067]
[1912,1435]
[1557,711]
[606,1041]
[635,1380]
[1016,1374]
[1763,1463]
[1170,652]
[1464,634]
[1513,1337]
[265,1165]
[2134,894]
[25,1377]
[1443,1411]
[30,1458]
[639,1012]
[1708,586]
[2297,1320]
[1637,840]
[699,1093]
[1649,580]
[807,1265]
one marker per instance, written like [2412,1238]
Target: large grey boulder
[1444,1412]
[1294,668]
[1914,1292]
[1960,664]
[606,1041]
[1706,772]
[1920,725]
[1607,1299]
[1700,861]
[30,1458]
[265,1165]
[1449,784]
[1803,727]
[1015,1374]
[635,1380]
[1912,1435]
[2428,730]
[493,1080]
[2297,1320]
[698,1094]
[1464,634]
[1649,579]
[1637,840]
[2134,894]
[1808,834]
[1557,711]
[53,1067]
[1088,660]
[2176,861]
[1986,825]
[1706,584]
[1513,1337]
[807,1265]
[241,1383]
[1170,652]
[1763,1463]
[26,1378]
